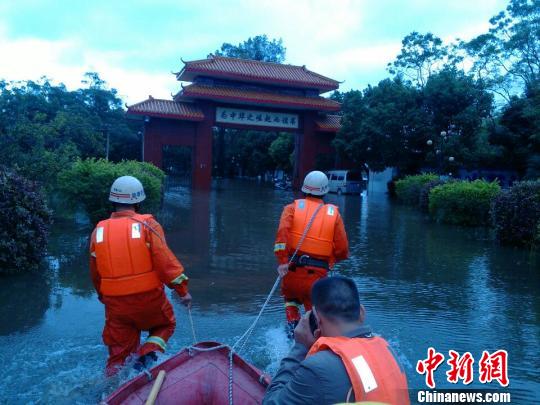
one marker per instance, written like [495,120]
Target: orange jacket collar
[124,213]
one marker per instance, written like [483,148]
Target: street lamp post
[439,145]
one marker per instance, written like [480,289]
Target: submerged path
[423,285]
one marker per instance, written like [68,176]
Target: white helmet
[127,190]
[315,183]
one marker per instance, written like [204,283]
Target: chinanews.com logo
[492,367]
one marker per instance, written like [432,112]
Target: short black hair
[336,298]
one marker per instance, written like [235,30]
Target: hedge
[423,199]
[516,215]
[408,189]
[87,183]
[24,222]
[463,202]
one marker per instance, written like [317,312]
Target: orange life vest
[319,241]
[123,256]
[375,375]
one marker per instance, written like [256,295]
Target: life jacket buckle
[303,260]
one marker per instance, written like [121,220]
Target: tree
[45,127]
[457,105]
[517,132]
[256,48]
[392,123]
[384,126]
[281,151]
[508,56]
[421,55]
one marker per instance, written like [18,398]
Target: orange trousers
[296,289]
[126,317]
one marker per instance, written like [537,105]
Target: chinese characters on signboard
[256,118]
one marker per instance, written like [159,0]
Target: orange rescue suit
[123,256]
[129,264]
[374,372]
[326,240]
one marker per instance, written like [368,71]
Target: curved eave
[191,94]
[189,75]
[166,115]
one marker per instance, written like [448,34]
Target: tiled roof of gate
[256,71]
[260,97]
[155,107]
[329,123]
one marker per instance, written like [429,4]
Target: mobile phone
[313,324]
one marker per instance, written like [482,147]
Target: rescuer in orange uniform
[324,244]
[336,357]
[129,264]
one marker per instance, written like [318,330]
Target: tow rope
[242,340]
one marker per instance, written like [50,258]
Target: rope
[247,334]
[192,326]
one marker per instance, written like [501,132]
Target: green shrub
[24,222]
[423,199]
[516,214]
[87,183]
[463,202]
[408,189]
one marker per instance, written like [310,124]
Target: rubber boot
[145,362]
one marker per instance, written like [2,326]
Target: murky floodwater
[422,284]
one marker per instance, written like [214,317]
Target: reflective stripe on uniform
[292,304]
[279,247]
[99,234]
[93,254]
[157,341]
[180,279]
[135,231]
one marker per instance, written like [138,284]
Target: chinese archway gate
[241,94]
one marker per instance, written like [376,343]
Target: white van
[345,181]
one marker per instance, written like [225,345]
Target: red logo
[494,367]
[460,367]
[429,365]
[490,367]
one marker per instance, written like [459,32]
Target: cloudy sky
[136,44]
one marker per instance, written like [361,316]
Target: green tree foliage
[281,151]
[87,184]
[44,127]
[384,126]
[256,48]
[391,124]
[517,132]
[507,57]
[246,153]
[457,105]
[25,223]
[421,56]
[463,202]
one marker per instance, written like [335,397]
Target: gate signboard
[256,118]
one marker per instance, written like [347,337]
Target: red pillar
[153,149]
[202,150]
[305,150]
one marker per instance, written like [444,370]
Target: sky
[135,44]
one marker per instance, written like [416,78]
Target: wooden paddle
[155,388]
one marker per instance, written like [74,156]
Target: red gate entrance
[242,94]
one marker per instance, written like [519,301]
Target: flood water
[422,284]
